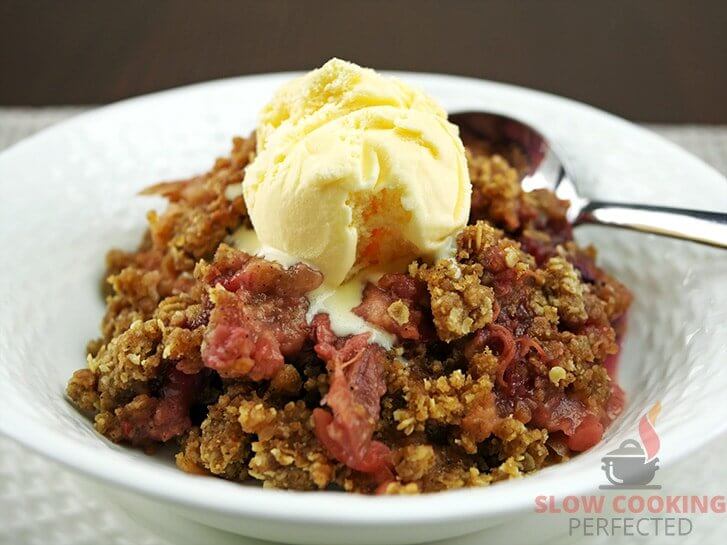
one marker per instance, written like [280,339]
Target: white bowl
[68,195]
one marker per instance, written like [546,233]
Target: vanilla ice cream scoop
[355,169]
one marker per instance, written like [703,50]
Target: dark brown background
[644,59]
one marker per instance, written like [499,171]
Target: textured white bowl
[68,194]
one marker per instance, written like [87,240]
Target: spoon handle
[698,226]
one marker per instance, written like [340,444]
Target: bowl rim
[227,498]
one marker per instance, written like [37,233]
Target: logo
[633,465]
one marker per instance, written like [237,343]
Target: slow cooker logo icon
[633,465]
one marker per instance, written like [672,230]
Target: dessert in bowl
[355,300]
[651,367]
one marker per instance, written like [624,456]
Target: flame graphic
[649,437]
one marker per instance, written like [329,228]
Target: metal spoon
[547,171]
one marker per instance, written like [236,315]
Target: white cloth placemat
[42,503]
